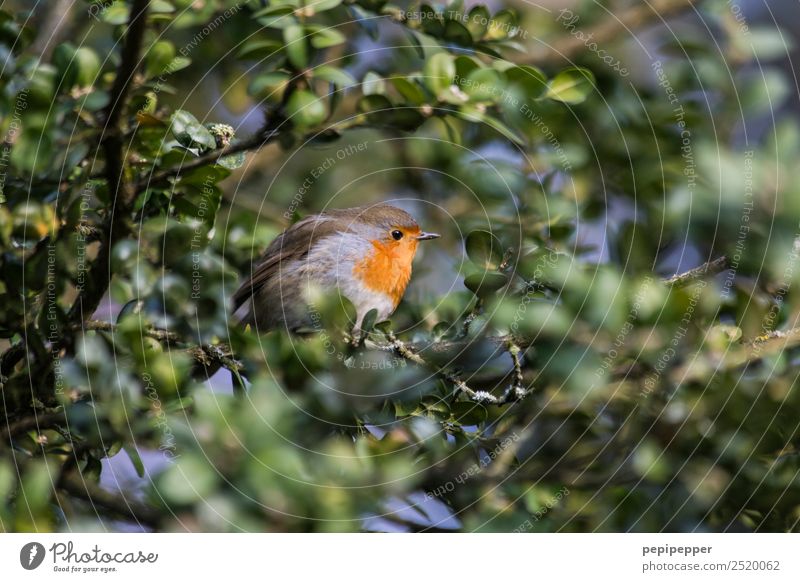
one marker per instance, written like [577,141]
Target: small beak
[427,236]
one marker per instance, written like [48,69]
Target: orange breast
[387,268]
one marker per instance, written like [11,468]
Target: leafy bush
[555,365]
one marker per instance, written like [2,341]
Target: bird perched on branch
[365,253]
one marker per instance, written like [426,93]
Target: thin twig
[518,384]
[478,396]
[792,334]
[161,335]
[710,268]
[471,316]
[41,421]
[212,157]
[208,357]
[613,27]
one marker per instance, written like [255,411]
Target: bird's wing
[294,243]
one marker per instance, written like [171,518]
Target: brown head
[394,235]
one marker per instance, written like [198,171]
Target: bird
[364,252]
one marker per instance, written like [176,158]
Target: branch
[260,139]
[208,358]
[710,268]
[473,314]
[113,149]
[518,386]
[10,358]
[478,396]
[77,486]
[765,345]
[137,24]
[36,422]
[155,333]
[608,30]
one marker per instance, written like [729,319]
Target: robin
[364,252]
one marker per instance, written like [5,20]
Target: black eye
[397,235]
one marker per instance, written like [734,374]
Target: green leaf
[374,103]
[413,38]
[483,85]
[326,136]
[410,91]
[571,86]
[768,43]
[468,413]
[87,67]
[305,109]
[116,13]
[323,5]
[161,7]
[42,85]
[432,22]
[530,80]
[190,479]
[159,57]
[36,488]
[383,326]
[259,49]
[485,49]
[456,32]
[278,21]
[33,149]
[451,127]
[381,112]
[373,83]
[474,115]
[762,93]
[76,67]
[402,409]
[279,10]
[484,249]
[465,65]
[178,63]
[369,320]
[136,460]
[502,25]
[477,22]
[296,46]
[334,75]
[485,284]
[439,72]
[403,119]
[233,161]
[269,85]
[189,132]
[327,37]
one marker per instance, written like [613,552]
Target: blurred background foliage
[573,162]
